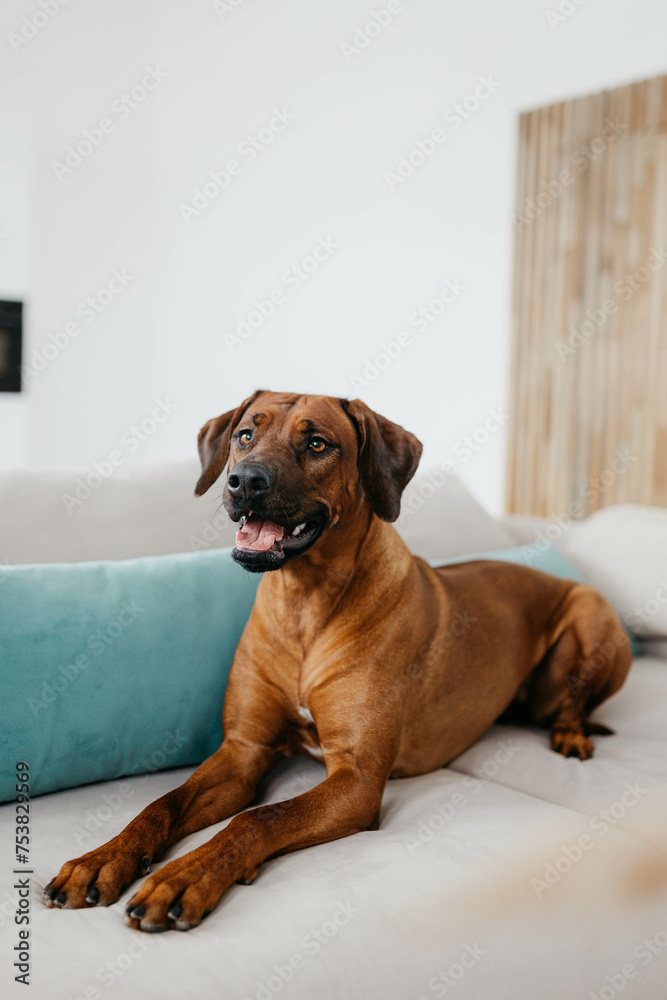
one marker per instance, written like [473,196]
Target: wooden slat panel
[589,381]
[517,394]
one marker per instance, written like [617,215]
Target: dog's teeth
[242,520]
[299,528]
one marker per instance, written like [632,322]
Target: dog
[350,655]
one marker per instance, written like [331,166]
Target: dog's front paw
[97,878]
[182,893]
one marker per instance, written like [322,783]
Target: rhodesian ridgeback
[350,655]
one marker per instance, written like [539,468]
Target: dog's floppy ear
[213,443]
[388,458]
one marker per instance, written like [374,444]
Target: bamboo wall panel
[588,391]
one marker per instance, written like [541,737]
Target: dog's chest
[304,737]
[305,715]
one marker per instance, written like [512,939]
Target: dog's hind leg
[586,664]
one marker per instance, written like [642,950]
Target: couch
[511,874]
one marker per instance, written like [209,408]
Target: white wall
[162,337]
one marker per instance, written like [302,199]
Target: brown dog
[351,654]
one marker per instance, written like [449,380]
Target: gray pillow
[81,515]
[441,519]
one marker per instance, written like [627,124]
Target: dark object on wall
[11,337]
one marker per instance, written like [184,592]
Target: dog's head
[298,465]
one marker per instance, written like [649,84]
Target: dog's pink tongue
[258,535]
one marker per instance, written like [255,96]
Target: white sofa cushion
[622,552]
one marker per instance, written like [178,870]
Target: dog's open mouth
[259,534]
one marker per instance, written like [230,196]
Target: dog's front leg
[182,893]
[359,738]
[222,785]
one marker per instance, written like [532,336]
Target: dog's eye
[318,445]
[245,437]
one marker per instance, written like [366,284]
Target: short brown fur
[360,652]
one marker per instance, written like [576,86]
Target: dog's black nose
[249,480]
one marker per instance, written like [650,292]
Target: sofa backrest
[62,515]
